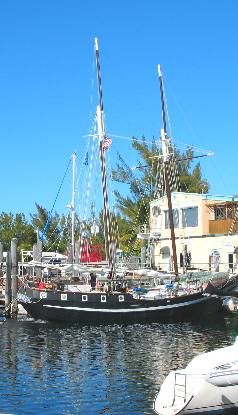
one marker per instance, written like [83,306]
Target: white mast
[74,156]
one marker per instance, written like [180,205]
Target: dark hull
[230,287]
[116,308]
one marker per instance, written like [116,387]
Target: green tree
[54,229]
[190,175]
[16,227]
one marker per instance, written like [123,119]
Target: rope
[87,188]
[50,213]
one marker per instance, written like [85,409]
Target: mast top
[96,43]
[159,71]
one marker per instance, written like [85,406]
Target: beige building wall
[203,247]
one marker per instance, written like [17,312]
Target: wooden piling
[14,271]
[37,257]
[8,286]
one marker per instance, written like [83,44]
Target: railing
[222,226]
[223,266]
[144,229]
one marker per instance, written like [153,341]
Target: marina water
[113,370]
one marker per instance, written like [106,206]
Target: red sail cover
[92,253]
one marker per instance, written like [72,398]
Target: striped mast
[101,135]
[166,156]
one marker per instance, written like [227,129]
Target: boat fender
[223,379]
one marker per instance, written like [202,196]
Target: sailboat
[116,305]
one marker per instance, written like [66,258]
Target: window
[156,211]
[219,213]
[165,252]
[230,261]
[181,260]
[175,218]
[190,217]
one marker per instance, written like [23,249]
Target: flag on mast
[106,143]
[85,162]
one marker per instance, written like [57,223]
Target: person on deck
[109,277]
[93,280]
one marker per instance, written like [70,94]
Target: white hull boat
[208,385]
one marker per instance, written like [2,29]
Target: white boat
[208,385]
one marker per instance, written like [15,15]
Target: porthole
[103,298]
[84,297]
[43,294]
[121,298]
[64,297]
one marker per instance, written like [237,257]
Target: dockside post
[37,257]
[8,286]
[14,272]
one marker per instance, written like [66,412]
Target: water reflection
[112,370]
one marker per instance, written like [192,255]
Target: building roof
[201,196]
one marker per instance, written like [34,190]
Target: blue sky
[46,94]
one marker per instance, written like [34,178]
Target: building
[206,232]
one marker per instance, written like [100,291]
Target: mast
[165,152]
[101,136]
[74,156]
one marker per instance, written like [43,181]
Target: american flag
[85,162]
[106,143]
